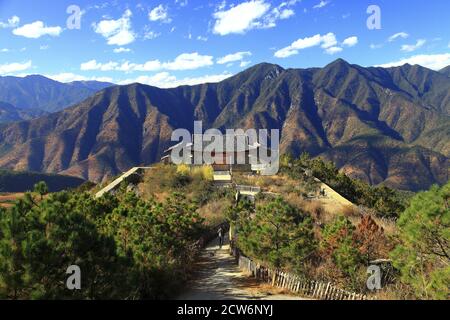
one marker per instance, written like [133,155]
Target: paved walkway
[219,278]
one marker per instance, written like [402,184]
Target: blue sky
[168,43]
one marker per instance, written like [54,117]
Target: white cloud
[9,68]
[4,50]
[413,47]
[12,22]
[321,4]
[182,3]
[278,13]
[329,40]
[351,41]
[394,37]
[201,38]
[36,30]
[185,61]
[289,3]
[70,77]
[94,65]
[44,47]
[431,61]
[326,41]
[376,46]
[189,61]
[248,15]
[166,80]
[299,44]
[243,64]
[150,35]
[286,13]
[238,56]
[240,18]
[160,13]
[121,50]
[222,5]
[333,50]
[151,65]
[117,32]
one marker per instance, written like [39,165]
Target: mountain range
[446,71]
[32,96]
[9,113]
[382,125]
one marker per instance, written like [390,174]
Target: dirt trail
[219,278]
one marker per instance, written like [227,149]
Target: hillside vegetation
[279,234]
[142,243]
[12,181]
[126,248]
[383,126]
[195,184]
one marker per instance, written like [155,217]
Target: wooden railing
[295,284]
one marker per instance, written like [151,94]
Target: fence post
[320,292]
[315,289]
[294,283]
[331,293]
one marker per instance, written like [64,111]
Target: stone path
[219,278]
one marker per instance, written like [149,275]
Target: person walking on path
[220,235]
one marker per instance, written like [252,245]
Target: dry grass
[295,200]
[183,169]
[161,182]
[316,210]
[395,291]
[389,227]
[202,172]
[257,287]
[214,211]
[350,211]
[7,199]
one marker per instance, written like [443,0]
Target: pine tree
[423,255]
[41,188]
[277,234]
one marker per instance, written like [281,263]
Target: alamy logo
[74,20]
[74,280]
[374,20]
[252,147]
[374,280]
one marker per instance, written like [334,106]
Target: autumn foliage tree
[370,239]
